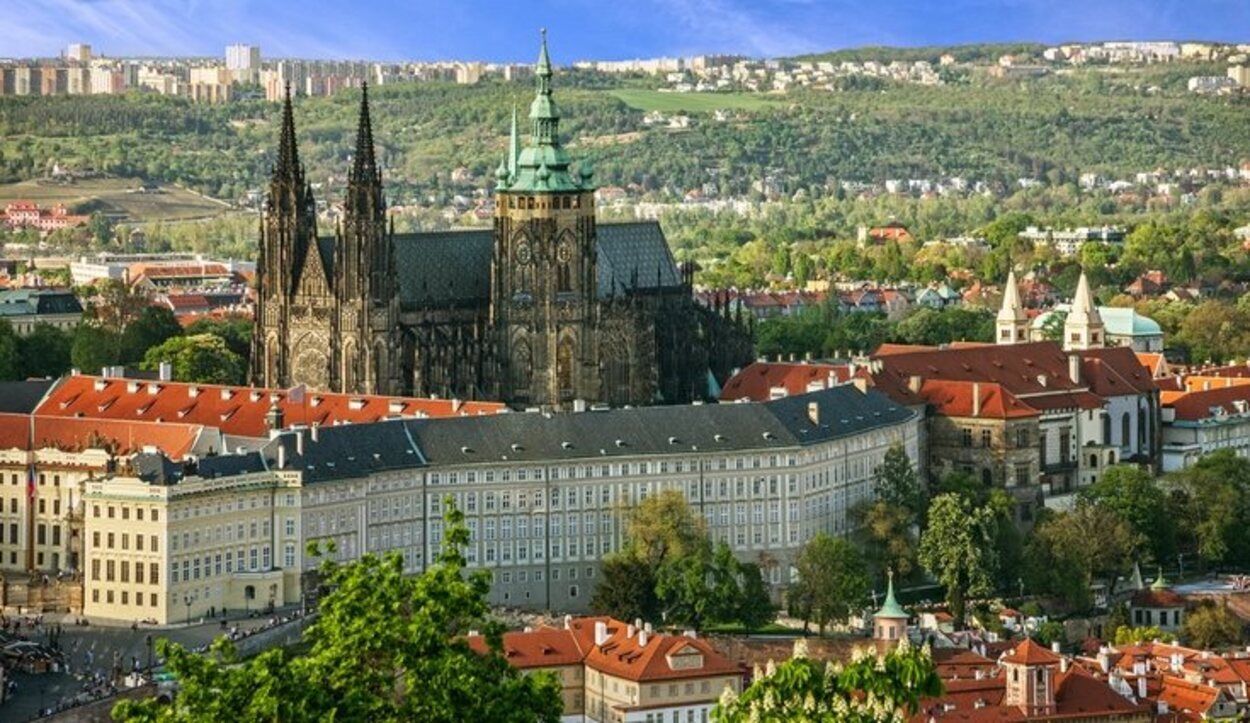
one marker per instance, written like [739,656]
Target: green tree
[625,589]
[1050,632]
[832,581]
[1211,501]
[896,483]
[958,549]
[1068,551]
[1117,617]
[1211,626]
[1127,635]
[203,359]
[888,537]
[93,348]
[45,352]
[152,327]
[865,690]
[1132,494]
[699,589]
[10,352]
[236,332]
[663,527]
[386,647]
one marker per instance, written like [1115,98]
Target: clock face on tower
[523,253]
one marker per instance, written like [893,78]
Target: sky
[507,30]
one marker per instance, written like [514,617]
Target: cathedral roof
[453,267]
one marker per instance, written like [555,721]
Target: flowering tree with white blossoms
[869,689]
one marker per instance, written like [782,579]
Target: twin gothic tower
[546,308]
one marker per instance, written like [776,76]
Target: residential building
[622,672]
[1197,422]
[1068,242]
[1158,606]
[242,57]
[27,214]
[541,493]
[25,309]
[78,53]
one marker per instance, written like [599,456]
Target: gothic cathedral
[547,308]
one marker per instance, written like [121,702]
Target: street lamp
[147,640]
[187,600]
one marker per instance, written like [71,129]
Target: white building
[541,494]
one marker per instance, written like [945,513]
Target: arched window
[564,368]
[1125,431]
[522,369]
[1106,428]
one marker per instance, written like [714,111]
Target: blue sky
[604,29]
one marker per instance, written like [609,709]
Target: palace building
[547,308]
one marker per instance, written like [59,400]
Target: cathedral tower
[544,275]
[288,230]
[1011,326]
[1083,329]
[364,272]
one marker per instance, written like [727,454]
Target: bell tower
[1011,326]
[544,272]
[1083,329]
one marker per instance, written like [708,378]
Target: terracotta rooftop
[236,411]
[119,437]
[1031,653]
[758,379]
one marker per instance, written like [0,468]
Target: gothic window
[1125,435]
[564,368]
[563,282]
[522,369]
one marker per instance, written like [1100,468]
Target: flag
[295,395]
[30,481]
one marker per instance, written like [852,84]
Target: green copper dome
[891,608]
[1160,583]
[543,165]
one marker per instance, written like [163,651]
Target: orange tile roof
[1078,695]
[236,411]
[956,399]
[757,380]
[1197,405]
[1183,696]
[118,437]
[1031,653]
[541,648]
[621,656]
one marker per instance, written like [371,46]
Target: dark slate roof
[356,450]
[22,302]
[453,267]
[156,468]
[23,397]
[325,247]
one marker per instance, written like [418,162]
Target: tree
[236,332]
[203,359]
[93,347]
[698,589]
[887,535]
[1126,635]
[45,352]
[663,527]
[1211,626]
[625,589]
[866,690]
[1133,495]
[153,327]
[958,549]
[1211,501]
[1050,632]
[10,352]
[116,306]
[1117,617]
[832,581]
[1068,551]
[896,482]
[387,647]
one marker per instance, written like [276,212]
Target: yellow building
[172,548]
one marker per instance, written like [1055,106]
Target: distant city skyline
[592,29]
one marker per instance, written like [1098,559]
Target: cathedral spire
[514,146]
[1083,329]
[1011,322]
[544,116]
[288,166]
[364,165]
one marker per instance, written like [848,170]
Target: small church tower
[890,622]
[1031,669]
[1083,329]
[1011,326]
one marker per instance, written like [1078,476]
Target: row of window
[111,540]
[111,512]
[257,558]
[256,529]
[125,596]
[611,470]
[42,505]
[144,573]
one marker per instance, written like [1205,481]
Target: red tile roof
[1196,406]
[117,437]
[1031,653]
[757,380]
[1115,371]
[237,411]
[540,648]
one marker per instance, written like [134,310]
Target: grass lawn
[117,196]
[649,100]
[737,629]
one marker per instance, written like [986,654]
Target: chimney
[281,456]
[630,630]
[568,622]
[647,628]
[1141,687]
[312,431]
[813,413]
[976,399]
[642,639]
[1054,647]
[914,383]
[1063,664]
[1074,368]
[601,632]
[166,371]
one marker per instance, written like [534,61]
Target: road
[92,649]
